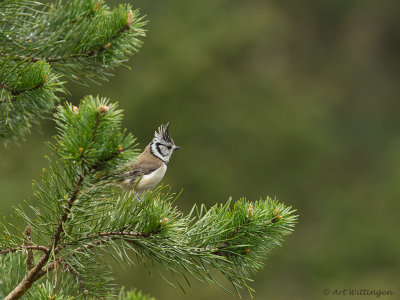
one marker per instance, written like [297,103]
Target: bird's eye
[169,147]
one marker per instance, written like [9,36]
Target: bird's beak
[177,148]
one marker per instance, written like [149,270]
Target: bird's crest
[163,134]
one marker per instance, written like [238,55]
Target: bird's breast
[149,181]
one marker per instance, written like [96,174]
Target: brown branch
[96,125]
[24,247]
[49,59]
[36,272]
[43,271]
[117,233]
[67,210]
[97,241]
[113,234]
[73,273]
[29,278]
[39,270]
[73,197]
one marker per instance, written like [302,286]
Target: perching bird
[151,165]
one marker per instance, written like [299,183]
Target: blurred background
[294,99]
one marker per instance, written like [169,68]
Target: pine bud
[120,149]
[80,149]
[247,251]
[251,211]
[163,221]
[27,231]
[107,46]
[75,109]
[96,6]
[103,109]
[130,18]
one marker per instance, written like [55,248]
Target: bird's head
[162,145]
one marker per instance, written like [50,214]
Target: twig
[48,59]
[36,272]
[70,56]
[113,155]
[74,273]
[67,210]
[226,243]
[24,247]
[30,263]
[16,93]
[28,280]
[97,241]
[43,271]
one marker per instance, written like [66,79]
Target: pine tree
[54,246]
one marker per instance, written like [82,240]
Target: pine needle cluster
[42,46]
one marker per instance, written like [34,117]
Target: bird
[151,164]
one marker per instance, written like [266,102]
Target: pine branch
[98,117]
[104,237]
[36,272]
[29,259]
[27,92]
[77,40]
[86,54]
[47,59]
[16,93]
[78,278]
[24,247]
[97,239]
[94,39]
[64,217]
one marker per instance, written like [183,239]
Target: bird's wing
[143,168]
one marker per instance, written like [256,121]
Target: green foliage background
[297,99]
